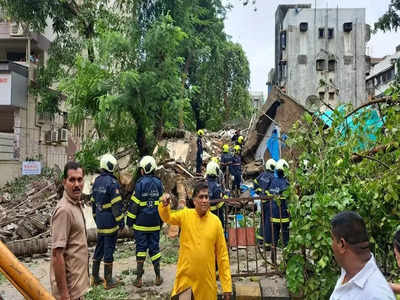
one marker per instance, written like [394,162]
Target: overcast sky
[255,30]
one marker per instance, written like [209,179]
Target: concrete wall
[303,49]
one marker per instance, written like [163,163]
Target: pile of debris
[27,214]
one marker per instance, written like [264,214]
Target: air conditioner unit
[16,30]
[47,137]
[54,136]
[62,135]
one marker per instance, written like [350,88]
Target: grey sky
[254,30]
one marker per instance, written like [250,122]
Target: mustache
[76,190]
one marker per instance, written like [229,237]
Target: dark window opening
[330,33]
[320,64]
[331,65]
[303,27]
[16,56]
[283,40]
[331,96]
[322,95]
[7,121]
[321,33]
[347,27]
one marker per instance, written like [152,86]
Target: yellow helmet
[212,168]
[225,148]
[270,165]
[215,159]
[237,149]
[200,132]
[108,163]
[240,139]
[148,164]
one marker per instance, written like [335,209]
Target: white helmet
[212,168]
[108,163]
[148,164]
[270,165]
[282,164]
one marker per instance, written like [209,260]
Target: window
[322,95]
[321,33]
[7,121]
[378,80]
[331,96]
[331,65]
[347,27]
[16,56]
[320,64]
[330,33]
[303,27]
[283,40]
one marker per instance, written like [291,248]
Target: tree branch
[382,100]
[373,159]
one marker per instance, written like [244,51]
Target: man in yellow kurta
[201,241]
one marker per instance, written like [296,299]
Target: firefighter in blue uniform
[215,191]
[235,169]
[280,215]
[261,186]
[107,212]
[226,160]
[199,155]
[144,218]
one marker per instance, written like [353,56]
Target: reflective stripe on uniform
[143,203]
[219,205]
[259,237]
[146,228]
[109,230]
[91,199]
[155,257]
[115,200]
[108,205]
[131,215]
[255,181]
[141,254]
[277,220]
[119,218]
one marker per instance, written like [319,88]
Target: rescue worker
[235,137]
[107,213]
[143,217]
[226,160]
[236,170]
[215,191]
[261,186]
[280,215]
[199,156]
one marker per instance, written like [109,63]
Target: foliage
[331,182]
[391,19]
[98,292]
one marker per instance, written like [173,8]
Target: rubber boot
[95,279]
[109,282]
[138,282]
[159,279]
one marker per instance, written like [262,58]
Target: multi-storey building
[320,54]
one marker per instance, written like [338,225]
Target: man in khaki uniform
[69,272]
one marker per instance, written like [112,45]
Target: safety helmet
[270,165]
[148,164]
[237,149]
[240,139]
[215,159]
[225,148]
[108,163]
[212,168]
[282,164]
[200,132]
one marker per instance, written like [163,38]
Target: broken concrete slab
[274,288]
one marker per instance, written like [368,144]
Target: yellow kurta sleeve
[169,217]
[223,261]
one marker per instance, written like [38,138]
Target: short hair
[202,185]
[71,165]
[350,226]
[396,240]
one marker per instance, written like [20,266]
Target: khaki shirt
[68,231]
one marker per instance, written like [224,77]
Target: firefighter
[236,170]
[143,217]
[107,212]
[280,214]
[215,191]
[261,186]
[226,160]
[199,156]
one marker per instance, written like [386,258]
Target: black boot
[138,283]
[159,279]
[109,282]
[95,279]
